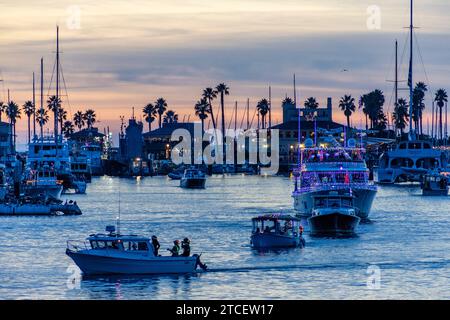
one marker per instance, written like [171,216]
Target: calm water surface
[408,240]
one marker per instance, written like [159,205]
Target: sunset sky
[128,53]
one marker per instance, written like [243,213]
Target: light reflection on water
[408,240]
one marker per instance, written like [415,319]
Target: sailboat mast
[57,88]
[270,107]
[410,78]
[41,111]
[248,113]
[396,72]
[34,107]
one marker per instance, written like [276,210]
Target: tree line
[40,117]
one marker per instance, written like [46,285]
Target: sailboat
[53,151]
[409,160]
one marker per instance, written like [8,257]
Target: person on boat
[175,249]
[185,245]
[156,245]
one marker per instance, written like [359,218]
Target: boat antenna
[118,215]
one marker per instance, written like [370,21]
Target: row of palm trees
[41,116]
[158,109]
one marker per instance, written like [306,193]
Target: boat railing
[77,245]
[335,186]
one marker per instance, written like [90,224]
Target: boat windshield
[333,202]
[333,155]
[120,245]
[282,227]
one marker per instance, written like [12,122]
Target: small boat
[269,233]
[114,253]
[434,184]
[333,214]
[193,179]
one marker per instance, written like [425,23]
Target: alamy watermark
[73,21]
[373,21]
[374,278]
[74,279]
[257,147]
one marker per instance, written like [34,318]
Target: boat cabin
[332,202]
[124,243]
[276,224]
[193,173]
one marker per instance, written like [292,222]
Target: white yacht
[408,161]
[43,181]
[336,169]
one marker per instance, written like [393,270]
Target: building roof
[308,125]
[86,133]
[168,128]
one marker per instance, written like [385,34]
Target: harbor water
[404,253]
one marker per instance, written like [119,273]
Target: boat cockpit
[276,224]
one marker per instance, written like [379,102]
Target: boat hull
[193,183]
[304,202]
[53,191]
[333,224]
[437,192]
[275,241]
[91,264]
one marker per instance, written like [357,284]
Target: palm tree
[42,119]
[3,108]
[161,107]
[78,119]
[263,109]
[62,116]
[201,110]
[149,115]
[373,105]
[223,90]
[441,99]
[68,129]
[311,105]
[28,109]
[13,113]
[210,94]
[89,117]
[418,105]
[400,115]
[287,101]
[347,104]
[363,103]
[170,117]
[54,105]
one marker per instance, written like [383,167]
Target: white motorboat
[115,253]
[193,179]
[333,214]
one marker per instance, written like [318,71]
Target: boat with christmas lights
[333,168]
